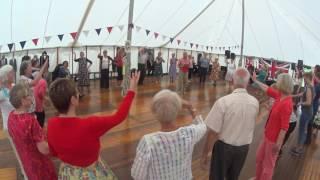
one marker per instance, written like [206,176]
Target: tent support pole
[242,34]
[127,74]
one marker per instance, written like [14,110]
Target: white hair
[4,72]
[241,77]
[165,105]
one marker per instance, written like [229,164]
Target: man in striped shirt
[167,154]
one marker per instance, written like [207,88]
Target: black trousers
[104,78]
[41,116]
[190,73]
[142,69]
[120,75]
[203,74]
[227,161]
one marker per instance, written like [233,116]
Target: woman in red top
[28,137]
[76,141]
[276,127]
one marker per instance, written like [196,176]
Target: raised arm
[261,85]
[40,74]
[101,124]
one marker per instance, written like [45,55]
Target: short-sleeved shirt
[233,117]
[279,115]
[204,63]
[184,65]
[25,132]
[5,106]
[167,155]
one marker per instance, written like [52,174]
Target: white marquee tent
[287,30]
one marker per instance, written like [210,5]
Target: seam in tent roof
[275,28]
[186,26]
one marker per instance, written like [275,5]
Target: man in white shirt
[142,61]
[105,61]
[231,123]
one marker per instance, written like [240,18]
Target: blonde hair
[166,105]
[285,83]
[4,72]
[17,93]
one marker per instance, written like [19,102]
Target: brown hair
[17,93]
[60,93]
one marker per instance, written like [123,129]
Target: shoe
[296,152]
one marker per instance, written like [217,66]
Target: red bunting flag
[74,35]
[109,29]
[35,41]
[156,35]
[179,41]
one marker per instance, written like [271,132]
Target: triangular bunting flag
[86,33]
[130,26]
[35,41]
[10,46]
[191,45]
[207,48]
[60,36]
[164,37]
[98,31]
[178,41]
[121,27]
[229,47]
[147,32]
[171,40]
[74,35]
[47,38]
[22,44]
[138,28]
[197,45]
[156,35]
[109,29]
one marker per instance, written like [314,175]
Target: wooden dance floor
[119,144]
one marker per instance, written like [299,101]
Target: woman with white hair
[277,125]
[7,75]
[167,154]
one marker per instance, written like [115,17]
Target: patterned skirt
[96,171]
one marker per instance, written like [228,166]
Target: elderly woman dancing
[167,154]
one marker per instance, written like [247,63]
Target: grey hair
[285,83]
[241,80]
[24,66]
[4,72]
[165,105]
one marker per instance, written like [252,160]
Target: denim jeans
[305,118]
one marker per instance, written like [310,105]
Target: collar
[240,90]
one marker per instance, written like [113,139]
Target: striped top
[167,155]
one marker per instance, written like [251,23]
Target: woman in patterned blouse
[167,154]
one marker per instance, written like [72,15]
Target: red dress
[25,132]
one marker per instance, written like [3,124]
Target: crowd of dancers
[166,154]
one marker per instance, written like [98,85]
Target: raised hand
[254,76]
[135,76]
